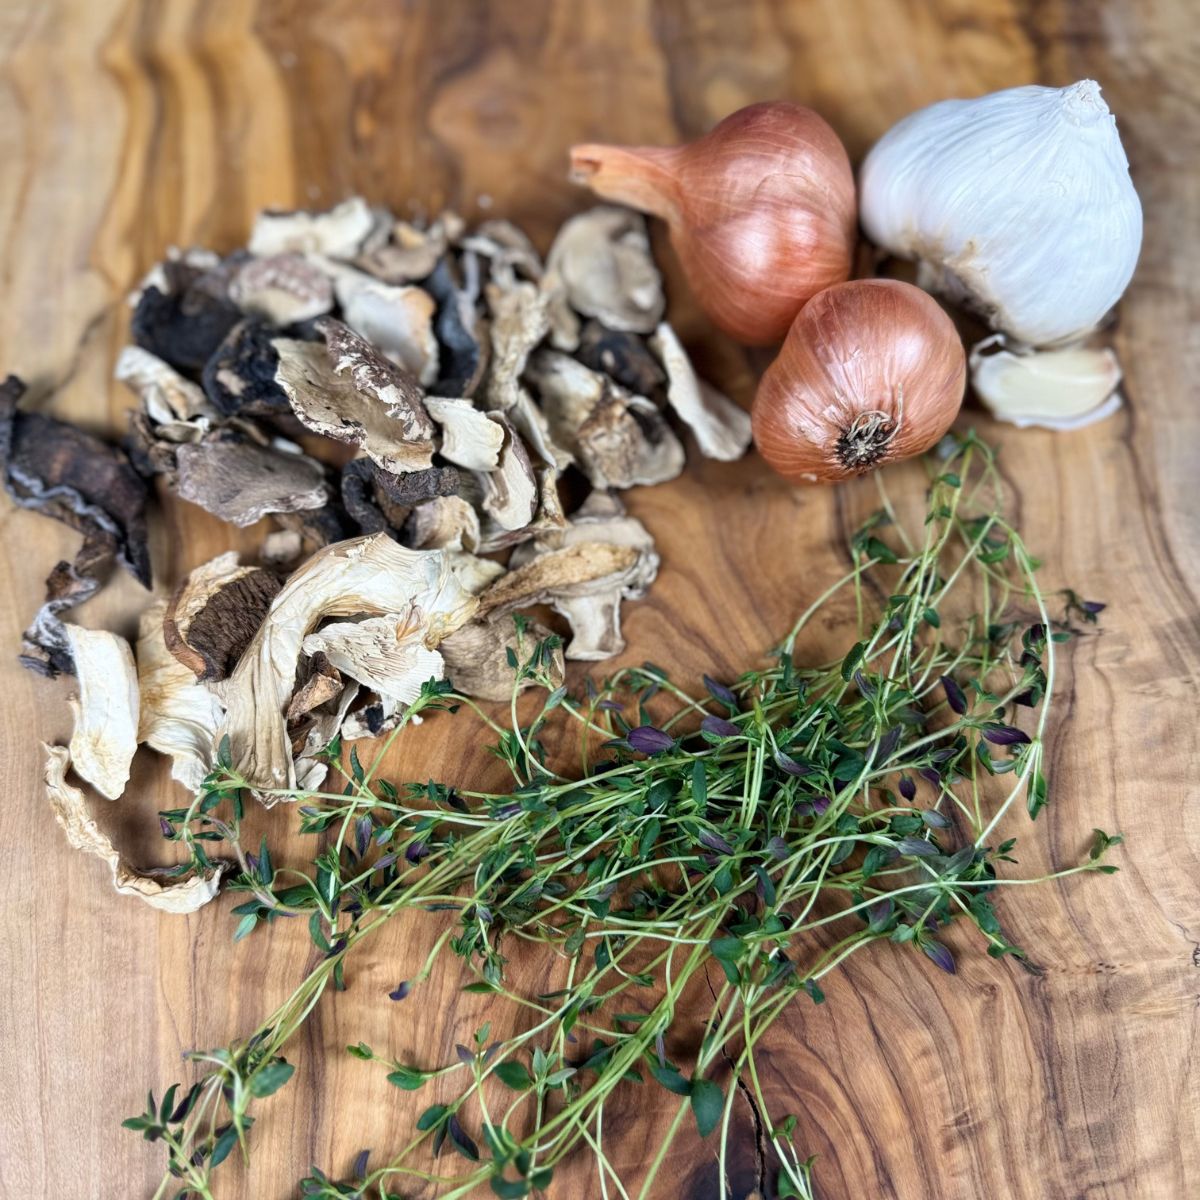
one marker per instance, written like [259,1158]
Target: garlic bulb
[1020,202]
[871,371]
[1052,389]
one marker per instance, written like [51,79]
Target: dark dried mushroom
[622,356]
[460,332]
[182,328]
[239,378]
[242,482]
[282,289]
[62,472]
[214,612]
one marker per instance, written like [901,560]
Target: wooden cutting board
[127,126]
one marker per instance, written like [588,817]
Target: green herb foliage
[749,840]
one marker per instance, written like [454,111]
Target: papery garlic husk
[1019,201]
[761,211]
[872,371]
[1051,389]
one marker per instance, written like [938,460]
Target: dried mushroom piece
[461,333]
[44,645]
[601,262]
[599,533]
[340,232]
[316,730]
[162,888]
[241,482]
[65,473]
[282,288]
[722,429]
[507,248]
[183,328]
[369,576]
[324,683]
[547,518]
[350,392]
[469,437]
[177,716]
[106,713]
[386,654]
[239,378]
[622,356]
[476,657]
[446,523]
[519,322]
[281,548]
[473,572]
[510,491]
[212,615]
[618,439]
[167,397]
[409,252]
[531,423]
[397,320]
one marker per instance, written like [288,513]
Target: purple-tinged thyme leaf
[714,841]
[908,789]
[401,991]
[954,695]
[939,955]
[790,766]
[646,739]
[917,848]
[1006,735]
[719,727]
[721,693]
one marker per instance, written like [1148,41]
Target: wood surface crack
[760,1147]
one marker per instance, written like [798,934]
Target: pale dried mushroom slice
[241,482]
[1050,389]
[104,740]
[519,323]
[473,572]
[531,423]
[340,232]
[348,391]
[324,683]
[444,523]
[319,727]
[281,548]
[476,657]
[721,428]
[618,439]
[507,248]
[386,654]
[469,437]
[601,260]
[212,615]
[282,288]
[161,889]
[409,252]
[397,320]
[510,492]
[547,518]
[178,716]
[166,396]
[369,576]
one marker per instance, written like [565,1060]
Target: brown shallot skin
[872,371]
[761,211]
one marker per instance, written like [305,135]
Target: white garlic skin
[1019,201]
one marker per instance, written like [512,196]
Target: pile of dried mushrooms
[402,401]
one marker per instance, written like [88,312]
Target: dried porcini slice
[213,614]
[722,429]
[61,471]
[177,716]
[324,683]
[282,289]
[340,232]
[459,330]
[469,437]
[242,482]
[601,261]
[398,320]
[409,253]
[167,397]
[368,576]
[183,328]
[106,712]
[445,523]
[161,888]
[348,391]
[619,439]
[239,378]
[519,322]
[621,356]
[476,657]
[510,491]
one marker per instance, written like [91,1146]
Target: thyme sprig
[765,831]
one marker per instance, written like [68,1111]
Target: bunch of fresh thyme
[772,827]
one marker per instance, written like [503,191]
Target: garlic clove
[1019,203]
[1051,389]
